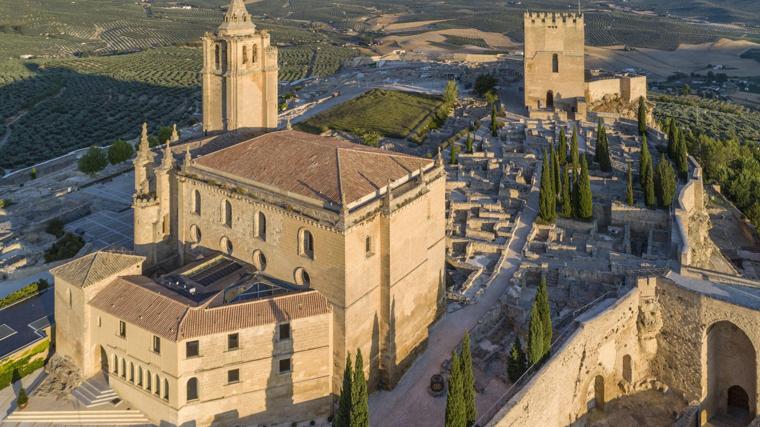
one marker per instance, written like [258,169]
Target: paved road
[409,404]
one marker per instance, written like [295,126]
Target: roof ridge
[89,268]
[341,194]
[381,152]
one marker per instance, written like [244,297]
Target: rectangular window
[192,349]
[100,322]
[285,366]
[122,329]
[156,344]
[233,376]
[368,246]
[284,331]
[233,342]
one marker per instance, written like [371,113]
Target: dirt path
[21,114]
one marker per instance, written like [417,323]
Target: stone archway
[729,372]
[595,394]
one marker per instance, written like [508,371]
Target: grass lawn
[390,113]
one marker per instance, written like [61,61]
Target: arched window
[302,277]
[148,380]
[259,260]
[245,54]
[166,389]
[306,244]
[261,226]
[196,202]
[217,56]
[131,372]
[254,53]
[227,213]
[555,63]
[192,389]
[139,376]
[195,234]
[226,245]
[115,366]
[158,386]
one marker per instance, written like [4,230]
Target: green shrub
[164,133]
[66,247]
[4,203]
[22,398]
[120,151]
[93,161]
[55,227]
[23,293]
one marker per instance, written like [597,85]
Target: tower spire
[237,20]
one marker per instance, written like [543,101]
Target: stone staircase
[112,417]
[94,392]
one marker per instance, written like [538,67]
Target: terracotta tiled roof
[137,300]
[94,267]
[313,166]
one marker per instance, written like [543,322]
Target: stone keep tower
[554,62]
[239,75]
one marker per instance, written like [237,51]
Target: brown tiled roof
[313,166]
[137,300]
[94,267]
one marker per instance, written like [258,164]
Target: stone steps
[100,418]
[94,392]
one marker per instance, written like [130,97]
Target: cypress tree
[649,195]
[455,410]
[567,199]
[645,159]
[603,149]
[585,201]
[642,116]
[683,160]
[542,301]
[556,184]
[665,183]
[359,396]
[562,148]
[597,152]
[468,382]
[494,124]
[574,149]
[516,363]
[576,195]
[468,143]
[343,416]
[629,187]
[454,153]
[535,336]
[546,206]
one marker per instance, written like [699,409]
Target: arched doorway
[550,99]
[595,395]
[738,401]
[104,361]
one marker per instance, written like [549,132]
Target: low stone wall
[640,219]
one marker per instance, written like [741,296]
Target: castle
[258,267]
[555,72]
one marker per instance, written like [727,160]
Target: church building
[259,266]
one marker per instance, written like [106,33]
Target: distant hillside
[718,11]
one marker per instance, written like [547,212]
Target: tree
[120,151]
[542,301]
[535,336]
[153,141]
[491,98]
[665,183]
[682,158]
[562,148]
[93,161]
[359,396]
[450,93]
[629,187]
[574,149]
[642,116]
[468,143]
[567,199]
[547,208]
[343,415]
[494,123]
[644,160]
[468,382]
[649,195]
[454,155]
[33,173]
[557,184]
[456,415]
[22,399]
[585,199]
[516,363]
[603,149]
[164,134]
[484,83]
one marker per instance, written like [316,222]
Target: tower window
[302,277]
[245,54]
[156,344]
[306,245]
[254,53]
[122,329]
[217,56]
[195,233]
[285,366]
[227,213]
[226,245]
[261,226]
[192,349]
[233,376]
[284,331]
[192,389]
[233,341]
[196,202]
[368,246]
[555,63]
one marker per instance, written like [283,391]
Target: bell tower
[239,75]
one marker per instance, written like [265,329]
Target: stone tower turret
[239,75]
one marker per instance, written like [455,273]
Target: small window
[156,344]
[285,366]
[192,389]
[233,342]
[192,349]
[115,364]
[555,63]
[165,225]
[195,234]
[226,245]
[227,213]
[158,386]
[196,202]
[148,381]
[284,331]
[233,376]
[139,376]
[131,372]
[307,244]
[261,226]
[100,321]
[122,329]
[368,246]
[70,298]
[245,54]
[166,389]
[259,260]
[302,277]
[124,368]
[254,53]
[217,56]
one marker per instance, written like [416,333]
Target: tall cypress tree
[547,209]
[644,160]
[576,194]
[649,194]
[542,301]
[585,199]
[567,198]
[494,123]
[682,159]
[574,149]
[642,116]
[629,187]
[343,416]
[535,336]
[468,143]
[455,411]
[557,185]
[603,150]
[468,382]
[516,363]
[598,141]
[562,148]
[359,396]
[665,183]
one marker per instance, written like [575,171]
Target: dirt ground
[426,42]
[687,58]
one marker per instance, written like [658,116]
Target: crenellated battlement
[540,19]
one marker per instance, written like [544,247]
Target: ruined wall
[689,213]
[633,87]
[564,388]
[640,219]
[597,89]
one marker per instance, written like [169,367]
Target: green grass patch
[23,293]
[465,41]
[391,113]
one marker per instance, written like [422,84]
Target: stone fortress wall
[627,88]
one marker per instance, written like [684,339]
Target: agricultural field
[752,54]
[390,113]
